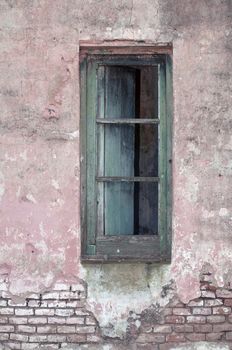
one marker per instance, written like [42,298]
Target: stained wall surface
[39,154]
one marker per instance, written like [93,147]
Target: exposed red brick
[24,312]
[56,320]
[85,329]
[51,295]
[181,311]
[16,345]
[224,293]
[175,319]
[38,338]
[18,320]
[4,320]
[56,338]
[77,338]
[150,338]
[46,329]
[93,338]
[202,311]
[4,336]
[183,328]
[229,336]
[213,302]
[64,312]
[175,338]
[215,319]
[207,286]
[66,329]
[196,302]
[7,311]
[203,328]
[26,329]
[195,336]
[208,294]
[201,319]
[162,329]
[37,320]
[90,321]
[146,328]
[213,336]
[44,312]
[6,328]
[222,327]
[167,311]
[76,320]
[196,319]
[45,315]
[221,310]
[228,302]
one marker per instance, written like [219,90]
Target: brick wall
[51,319]
[59,317]
[207,318]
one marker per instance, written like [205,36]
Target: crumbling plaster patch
[116,290]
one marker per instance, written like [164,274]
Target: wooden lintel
[126,47]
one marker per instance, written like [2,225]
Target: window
[126,113]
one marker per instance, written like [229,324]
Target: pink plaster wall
[39,128]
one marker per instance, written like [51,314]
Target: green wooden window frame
[97,247]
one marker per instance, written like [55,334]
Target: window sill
[106,259]
[134,248]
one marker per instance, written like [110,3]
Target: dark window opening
[128,150]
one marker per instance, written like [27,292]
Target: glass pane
[128,150]
[127,208]
[120,92]
[128,92]
[146,208]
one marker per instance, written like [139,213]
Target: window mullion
[91,155]
[127,179]
[100,190]
[169,113]
[162,159]
[128,121]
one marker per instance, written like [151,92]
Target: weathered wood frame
[124,248]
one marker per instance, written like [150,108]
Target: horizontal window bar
[132,60]
[126,179]
[127,121]
[129,238]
